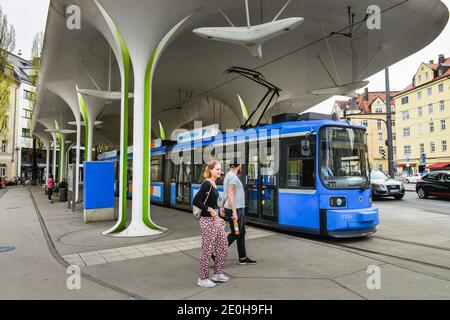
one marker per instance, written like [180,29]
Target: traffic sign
[423,159]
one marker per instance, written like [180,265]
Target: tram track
[412,243]
[368,253]
[383,253]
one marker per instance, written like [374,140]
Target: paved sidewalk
[166,267]
[30,271]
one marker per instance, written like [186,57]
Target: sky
[29,18]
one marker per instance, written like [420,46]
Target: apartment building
[423,120]
[16,143]
[369,109]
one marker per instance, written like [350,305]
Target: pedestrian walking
[214,238]
[233,210]
[50,186]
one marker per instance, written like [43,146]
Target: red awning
[439,165]
[402,165]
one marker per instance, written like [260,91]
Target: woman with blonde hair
[212,226]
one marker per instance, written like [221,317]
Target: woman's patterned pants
[214,239]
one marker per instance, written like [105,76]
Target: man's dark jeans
[50,192]
[240,238]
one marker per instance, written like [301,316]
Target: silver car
[384,186]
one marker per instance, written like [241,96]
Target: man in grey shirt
[233,208]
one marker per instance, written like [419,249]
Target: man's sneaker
[205,283]
[219,278]
[246,261]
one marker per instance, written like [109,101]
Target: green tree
[36,52]
[7,44]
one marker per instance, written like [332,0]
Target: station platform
[411,249]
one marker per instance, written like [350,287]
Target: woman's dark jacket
[200,198]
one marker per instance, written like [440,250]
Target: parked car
[413,178]
[384,186]
[436,183]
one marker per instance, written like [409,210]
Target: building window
[406,132]
[405,115]
[405,100]
[392,109]
[26,133]
[419,95]
[27,114]
[431,126]
[380,151]
[441,87]
[430,91]
[430,108]
[419,78]
[378,110]
[28,95]
[422,148]
[393,123]
[441,105]
[407,149]
[380,136]
[394,136]
[364,123]
[2,171]
[443,125]
[426,75]
[420,111]
[444,145]
[432,147]
[394,149]
[4,146]
[421,130]
[379,124]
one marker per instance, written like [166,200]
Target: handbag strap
[208,193]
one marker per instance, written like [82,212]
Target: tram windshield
[342,158]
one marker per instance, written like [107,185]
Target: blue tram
[306,176]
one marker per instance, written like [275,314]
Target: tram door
[183,183]
[261,181]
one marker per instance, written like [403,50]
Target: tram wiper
[258,78]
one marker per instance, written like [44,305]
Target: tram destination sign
[199,133]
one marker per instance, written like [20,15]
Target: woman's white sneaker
[219,278]
[205,283]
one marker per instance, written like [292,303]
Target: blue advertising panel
[98,188]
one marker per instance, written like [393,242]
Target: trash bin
[62,195]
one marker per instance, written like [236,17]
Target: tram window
[252,170]
[297,164]
[197,173]
[155,170]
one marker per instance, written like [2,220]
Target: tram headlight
[338,202]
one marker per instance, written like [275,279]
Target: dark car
[436,183]
[384,186]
